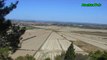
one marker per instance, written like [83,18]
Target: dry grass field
[50,41]
[54,45]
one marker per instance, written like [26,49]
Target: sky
[60,10]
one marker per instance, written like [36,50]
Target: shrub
[98,55]
[81,57]
[47,58]
[27,57]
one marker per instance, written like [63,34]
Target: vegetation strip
[27,39]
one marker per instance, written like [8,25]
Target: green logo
[91,5]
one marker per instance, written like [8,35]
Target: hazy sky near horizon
[60,10]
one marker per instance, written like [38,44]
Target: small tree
[70,54]
[5,24]
[9,34]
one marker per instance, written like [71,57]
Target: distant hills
[70,24]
